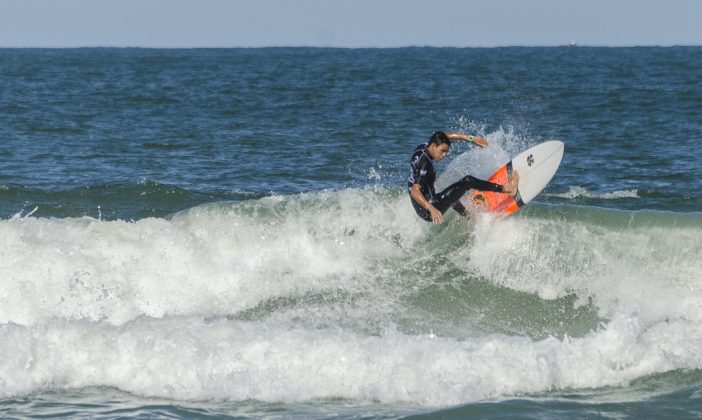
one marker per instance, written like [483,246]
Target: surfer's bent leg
[450,196]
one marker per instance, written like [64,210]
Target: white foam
[213,260]
[649,269]
[187,359]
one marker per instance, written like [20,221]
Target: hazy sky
[348,23]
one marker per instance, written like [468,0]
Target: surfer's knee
[468,180]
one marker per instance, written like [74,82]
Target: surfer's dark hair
[439,138]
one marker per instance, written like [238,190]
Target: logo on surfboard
[530,160]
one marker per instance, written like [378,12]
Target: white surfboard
[536,167]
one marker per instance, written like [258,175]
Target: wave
[209,259]
[109,201]
[344,294]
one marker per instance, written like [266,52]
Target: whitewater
[346,294]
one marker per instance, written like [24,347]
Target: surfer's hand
[511,186]
[436,215]
[480,141]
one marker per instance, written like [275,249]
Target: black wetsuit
[423,173]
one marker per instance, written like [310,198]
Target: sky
[348,23]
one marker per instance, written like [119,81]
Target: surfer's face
[438,152]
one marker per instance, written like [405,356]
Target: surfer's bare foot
[511,186]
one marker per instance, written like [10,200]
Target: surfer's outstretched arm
[476,140]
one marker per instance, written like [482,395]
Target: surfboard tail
[498,202]
[536,167]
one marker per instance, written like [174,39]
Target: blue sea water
[226,233]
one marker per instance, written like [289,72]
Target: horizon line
[571,45]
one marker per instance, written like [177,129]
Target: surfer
[430,205]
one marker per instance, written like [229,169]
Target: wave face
[342,294]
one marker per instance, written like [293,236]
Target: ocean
[226,233]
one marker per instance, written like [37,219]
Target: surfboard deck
[536,167]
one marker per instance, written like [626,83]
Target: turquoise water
[226,232]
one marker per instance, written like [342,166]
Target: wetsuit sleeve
[421,173]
